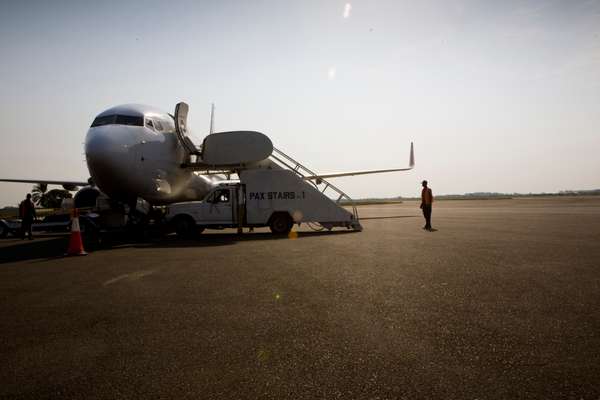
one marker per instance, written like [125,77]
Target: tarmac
[502,301]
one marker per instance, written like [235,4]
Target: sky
[497,96]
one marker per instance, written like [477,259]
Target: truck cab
[218,210]
[217,207]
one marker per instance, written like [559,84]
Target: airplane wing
[68,185]
[354,173]
[411,165]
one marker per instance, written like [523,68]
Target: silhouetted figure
[426,203]
[27,214]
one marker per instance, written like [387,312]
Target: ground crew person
[27,214]
[426,203]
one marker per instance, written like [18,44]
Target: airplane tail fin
[212,118]
[412,156]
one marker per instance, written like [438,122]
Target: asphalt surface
[502,301]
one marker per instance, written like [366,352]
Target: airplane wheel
[185,226]
[281,224]
[89,235]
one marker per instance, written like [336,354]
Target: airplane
[135,151]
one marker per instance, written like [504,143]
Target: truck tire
[185,226]
[281,223]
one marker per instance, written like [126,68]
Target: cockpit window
[129,120]
[106,120]
[154,124]
[118,120]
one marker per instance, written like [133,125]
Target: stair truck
[277,198]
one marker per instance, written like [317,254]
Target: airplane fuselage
[133,151]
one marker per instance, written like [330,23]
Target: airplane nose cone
[108,156]
[103,147]
[100,141]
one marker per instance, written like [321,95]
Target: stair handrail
[296,168]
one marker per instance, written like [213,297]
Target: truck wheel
[281,223]
[185,226]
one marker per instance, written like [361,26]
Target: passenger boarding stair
[326,188]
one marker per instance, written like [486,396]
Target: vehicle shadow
[225,239]
[46,247]
[50,247]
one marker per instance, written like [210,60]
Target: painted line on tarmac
[134,276]
[391,216]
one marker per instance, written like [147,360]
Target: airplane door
[219,208]
[181,114]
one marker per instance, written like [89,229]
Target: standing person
[27,211]
[426,203]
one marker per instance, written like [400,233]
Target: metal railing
[302,171]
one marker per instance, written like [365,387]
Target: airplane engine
[86,197]
[194,188]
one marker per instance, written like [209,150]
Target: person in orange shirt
[426,203]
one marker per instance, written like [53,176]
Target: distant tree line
[490,195]
[594,192]
[44,198]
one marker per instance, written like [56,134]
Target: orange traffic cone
[75,242]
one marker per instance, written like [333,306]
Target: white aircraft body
[133,151]
[136,151]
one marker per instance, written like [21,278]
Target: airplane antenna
[212,117]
